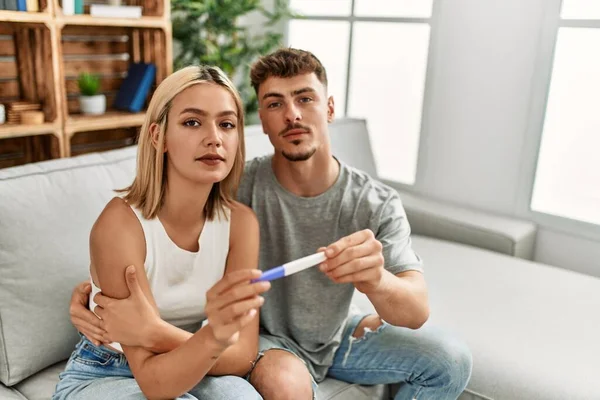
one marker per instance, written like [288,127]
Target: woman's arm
[243,254]
[116,241]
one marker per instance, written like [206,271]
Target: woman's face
[201,140]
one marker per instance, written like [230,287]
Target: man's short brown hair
[286,63]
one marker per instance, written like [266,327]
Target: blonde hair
[148,188]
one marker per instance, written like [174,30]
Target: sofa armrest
[439,220]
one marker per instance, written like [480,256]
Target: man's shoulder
[368,188]
[253,165]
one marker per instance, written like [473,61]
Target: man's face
[294,113]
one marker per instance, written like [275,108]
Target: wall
[474,150]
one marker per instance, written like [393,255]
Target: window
[375,53]
[567,180]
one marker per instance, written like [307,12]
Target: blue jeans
[428,362]
[98,373]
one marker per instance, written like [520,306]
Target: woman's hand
[232,303]
[82,318]
[131,321]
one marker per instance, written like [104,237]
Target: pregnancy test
[292,267]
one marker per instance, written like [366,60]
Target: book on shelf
[2,7]
[21,5]
[134,90]
[10,5]
[109,11]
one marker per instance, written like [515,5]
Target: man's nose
[292,114]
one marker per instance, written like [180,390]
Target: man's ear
[155,135]
[330,109]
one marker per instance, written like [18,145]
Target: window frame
[551,23]
[426,102]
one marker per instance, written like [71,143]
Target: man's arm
[400,297]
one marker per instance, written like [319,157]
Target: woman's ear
[155,135]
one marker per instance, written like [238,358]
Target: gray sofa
[533,329]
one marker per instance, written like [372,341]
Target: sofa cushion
[46,213]
[7,393]
[533,329]
[41,385]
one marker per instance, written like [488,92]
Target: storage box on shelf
[28,82]
[70,46]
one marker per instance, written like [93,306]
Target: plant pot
[93,104]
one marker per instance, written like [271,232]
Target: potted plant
[90,102]
[209,32]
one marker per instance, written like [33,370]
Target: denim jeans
[98,373]
[428,362]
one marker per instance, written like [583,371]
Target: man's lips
[295,132]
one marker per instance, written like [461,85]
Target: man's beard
[299,156]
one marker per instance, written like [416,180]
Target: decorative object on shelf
[208,32]
[68,7]
[110,11]
[33,6]
[90,101]
[2,114]
[16,108]
[135,87]
[32,117]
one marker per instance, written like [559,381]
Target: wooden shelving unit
[41,55]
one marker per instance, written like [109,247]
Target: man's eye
[273,105]
[305,100]
[191,122]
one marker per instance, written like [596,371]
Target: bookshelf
[42,54]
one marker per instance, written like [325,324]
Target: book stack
[20,5]
[15,108]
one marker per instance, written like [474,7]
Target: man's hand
[355,259]
[130,321]
[82,318]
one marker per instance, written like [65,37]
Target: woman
[180,228]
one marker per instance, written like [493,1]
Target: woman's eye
[227,125]
[191,122]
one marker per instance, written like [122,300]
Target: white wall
[484,58]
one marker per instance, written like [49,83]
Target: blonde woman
[192,249]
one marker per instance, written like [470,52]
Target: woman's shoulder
[117,220]
[243,219]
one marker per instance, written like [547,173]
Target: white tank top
[179,279]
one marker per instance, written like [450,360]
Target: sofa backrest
[46,213]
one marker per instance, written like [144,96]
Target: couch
[533,329]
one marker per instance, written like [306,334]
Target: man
[306,200]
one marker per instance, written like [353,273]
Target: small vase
[94,105]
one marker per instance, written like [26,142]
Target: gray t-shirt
[306,312]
